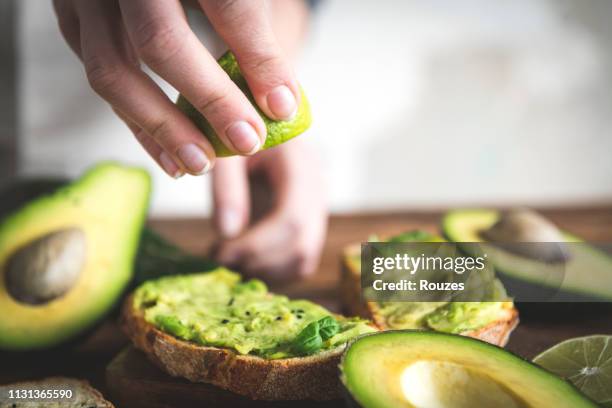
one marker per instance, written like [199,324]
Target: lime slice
[584,361]
[278,131]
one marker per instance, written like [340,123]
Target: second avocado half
[277,131]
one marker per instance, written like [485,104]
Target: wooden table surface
[89,357]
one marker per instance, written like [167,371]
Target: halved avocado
[66,258]
[585,275]
[427,369]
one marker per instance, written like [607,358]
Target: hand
[286,241]
[112,37]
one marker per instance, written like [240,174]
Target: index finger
[245,27]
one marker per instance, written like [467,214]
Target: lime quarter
[584,361]
[277,131]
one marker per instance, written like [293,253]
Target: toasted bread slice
[313,377]
[83,394]
[497,332]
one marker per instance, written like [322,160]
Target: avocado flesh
[466,225]
[218,309]
[448,317]
[278,131]
[108,204]
[429,369]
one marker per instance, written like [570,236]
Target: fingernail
[194,159]
[170,166]
[282,103]
[243,137]
[229,223]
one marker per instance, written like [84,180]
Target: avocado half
[534,277]
[428,369]
[66,258]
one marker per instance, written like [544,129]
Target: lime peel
[586,362]
[278,131]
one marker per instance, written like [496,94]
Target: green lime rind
[586,362]
[278,131]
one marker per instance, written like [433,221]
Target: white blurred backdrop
[416,104]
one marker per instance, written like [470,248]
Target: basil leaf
[309,340]
[328,327]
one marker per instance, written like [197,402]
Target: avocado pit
[46,268]
[527,233]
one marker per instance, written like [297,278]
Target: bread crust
[497,332]
[313,377]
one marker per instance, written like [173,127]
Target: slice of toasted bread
[313,377]
[496,332]
[83,394]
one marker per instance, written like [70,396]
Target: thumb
[230,196]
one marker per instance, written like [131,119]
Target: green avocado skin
[523,275]
[526,383]
[277,131]
[126,191]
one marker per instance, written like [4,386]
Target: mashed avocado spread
[219,309]
[448,317]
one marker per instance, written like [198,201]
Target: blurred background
[416,104]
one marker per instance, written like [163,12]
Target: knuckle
[268,63]
[214,102]
[161,132]
[157,41]
[225,8]
[103,76]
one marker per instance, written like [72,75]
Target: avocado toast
[216,329]
[488,321]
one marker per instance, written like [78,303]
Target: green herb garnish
[311,338]
[328,327]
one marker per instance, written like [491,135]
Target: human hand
[112,37]
[286,241]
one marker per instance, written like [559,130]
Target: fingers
[162,158]
[114,73]
[272,248]
[68,22]
[163,40]
[244,26]
[230,196]
[287,242]
[69,25]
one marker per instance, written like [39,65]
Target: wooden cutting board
[134,382]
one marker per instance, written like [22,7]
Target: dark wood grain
[88,358]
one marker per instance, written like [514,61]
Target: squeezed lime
[278,131]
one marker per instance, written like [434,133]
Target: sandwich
[216,328]
[491,321]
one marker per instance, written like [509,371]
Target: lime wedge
[278,131]
[586,362]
